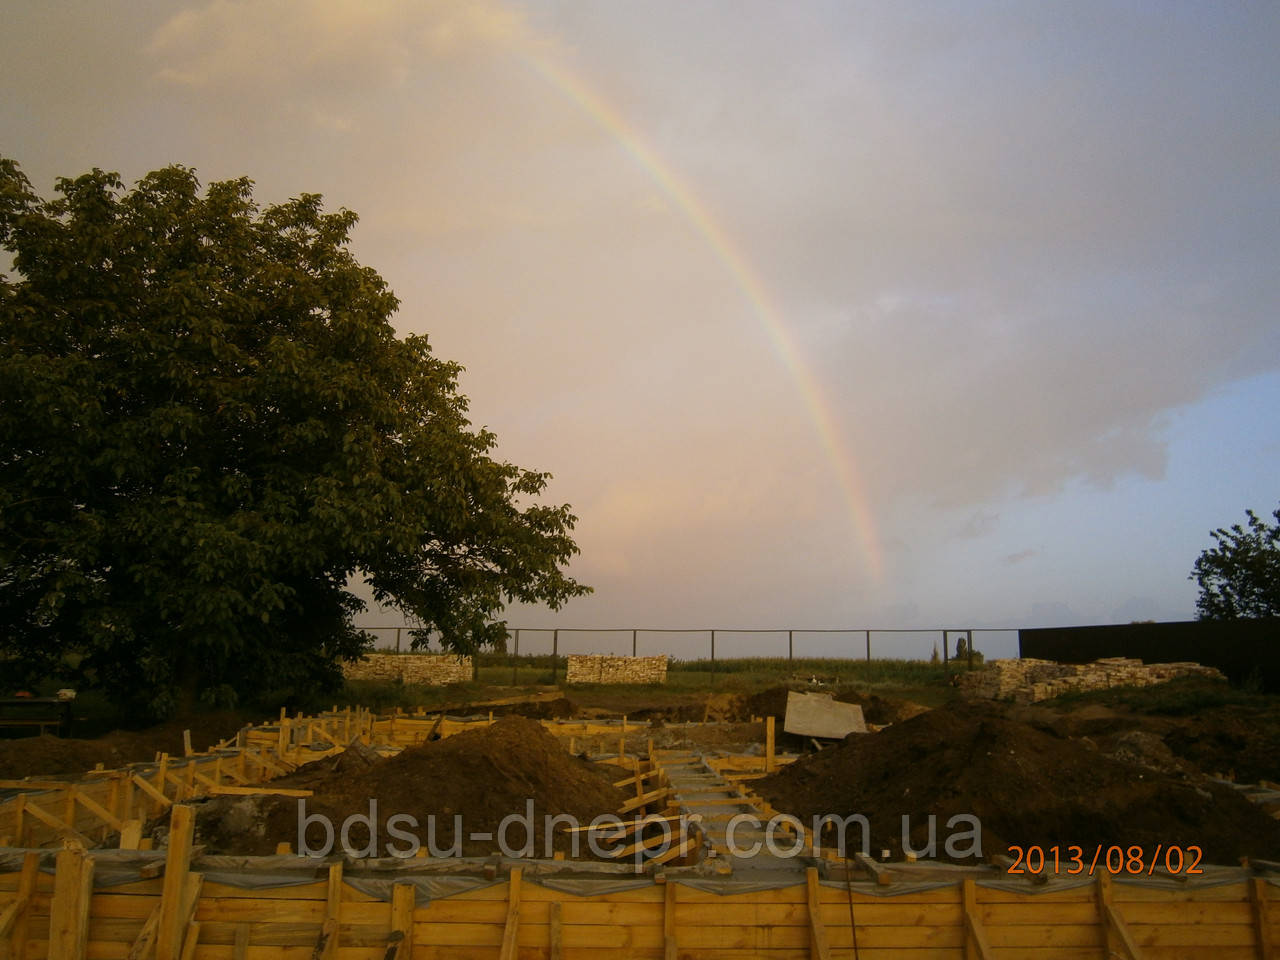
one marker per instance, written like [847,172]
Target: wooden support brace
[818,948]
[17,935]
[69,908]
[146,939]
[1262,928]
[240,948]
[1117,932]
[976,946]
[146,787]
[99,811]
[53,823]
[511,931]
[9,916]
[770,759]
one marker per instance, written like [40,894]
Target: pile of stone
[1030,681]
[595,668]
[426,669]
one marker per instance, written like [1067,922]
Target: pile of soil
[1240,742]
[46,756]
[1026,786]
[481,775]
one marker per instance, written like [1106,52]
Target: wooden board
[818,715]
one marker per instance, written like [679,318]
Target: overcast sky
[821,315]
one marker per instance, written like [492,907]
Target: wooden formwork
[182,916]
[175,913]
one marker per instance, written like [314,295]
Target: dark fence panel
[1236,647]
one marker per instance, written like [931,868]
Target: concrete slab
[818,715]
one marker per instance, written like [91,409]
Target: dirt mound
[481,776]
[1025,786]
[46,756]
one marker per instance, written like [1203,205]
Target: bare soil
[481,776]
[1027,784]
[46,756]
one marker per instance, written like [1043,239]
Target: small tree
[1240,576]
[209,428]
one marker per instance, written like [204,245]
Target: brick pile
[596,668]
[1030,681]
[426,669]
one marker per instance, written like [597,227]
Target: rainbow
[700,218]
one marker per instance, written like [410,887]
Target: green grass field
[503,675]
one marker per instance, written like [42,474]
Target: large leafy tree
[1240,576]
[209,429]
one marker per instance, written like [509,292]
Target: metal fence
[708,643]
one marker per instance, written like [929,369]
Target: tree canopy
[209,429]
[1240,576]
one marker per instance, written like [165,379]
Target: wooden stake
[1262,928]
[403,896]
[182,821]
[553,933]
[327,945]
[770,762]
[69,909]
[670,948]
[186,743]
[818,948]
[131,835]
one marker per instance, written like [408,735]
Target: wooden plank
[9,916]
[555,948]
[240,945]
[1262,926]
[644,799]
[403,898]
[818,948]
[69,908]
[177,863]
[511,930]
[976,946]
[130,834]
[230,791]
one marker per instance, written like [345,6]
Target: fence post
[868,633]
[791,644]
[633,642]
[555,653]
[515,659]
[397,639]
[713,656]
[944,650]
[968,647]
